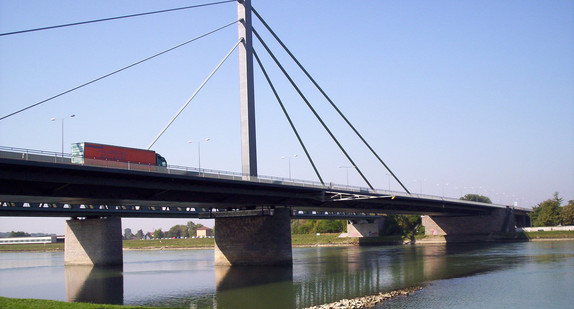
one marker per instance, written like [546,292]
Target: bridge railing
[65,158]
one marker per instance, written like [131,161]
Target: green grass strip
[20,303]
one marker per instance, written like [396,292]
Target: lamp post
[289,159]
[347,168]
[54,119]
[421,184]
[199,150]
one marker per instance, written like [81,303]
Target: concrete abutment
[498,221]
[365,227]
[94,241]
[257,240]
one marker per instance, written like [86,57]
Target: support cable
[288,117]
[117,71]
[311,108]
[113,18]
[328,99]
[195,93]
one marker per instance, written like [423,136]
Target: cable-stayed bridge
[252,212]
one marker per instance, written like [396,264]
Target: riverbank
[21,303]
[302,240]
[310,240]
[500,237]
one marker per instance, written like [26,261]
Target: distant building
[204,231]
[29,240]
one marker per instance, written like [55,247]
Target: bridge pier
[94,241]
[257,240]
[458,227]
[365,227]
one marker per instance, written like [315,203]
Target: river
[493,275]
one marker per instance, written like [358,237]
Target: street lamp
[199,151]
[421,184]
[54,119]
[289,159]
[347,168]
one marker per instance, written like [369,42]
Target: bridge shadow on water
[95,284]
[267,286]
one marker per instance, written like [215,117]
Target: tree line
[177,231]
[551,213]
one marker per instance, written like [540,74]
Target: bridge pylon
[246,89]
[260,240]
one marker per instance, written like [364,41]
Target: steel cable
[117,71]
[288,117]
[312,109]
[327,97]
[113,18]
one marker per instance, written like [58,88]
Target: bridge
[252,213]
[34,183]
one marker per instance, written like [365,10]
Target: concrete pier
[498,221]
[94,241]
[257,240]
[365,227]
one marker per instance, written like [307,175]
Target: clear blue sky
[456,96]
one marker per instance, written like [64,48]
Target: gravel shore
[366,301]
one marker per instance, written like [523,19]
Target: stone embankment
[366,301]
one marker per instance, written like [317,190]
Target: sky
[456,97]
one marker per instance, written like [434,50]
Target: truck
[98,154]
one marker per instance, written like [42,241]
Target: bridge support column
[263,240]
[94,241]
[458,227]
[365,227]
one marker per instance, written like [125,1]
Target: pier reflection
[95,284]
[254,287]
[330,274]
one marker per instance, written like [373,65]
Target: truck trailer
[96,154]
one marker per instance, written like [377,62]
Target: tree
[304,226]
[567,213]
[140,234]
[476,198]
[405,225]
[128,233]
[192,228]
[547,213]
[18,234]
[178,231]
[330,226]
[158,234]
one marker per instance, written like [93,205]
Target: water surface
[525,275]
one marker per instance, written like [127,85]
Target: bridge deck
[51,186]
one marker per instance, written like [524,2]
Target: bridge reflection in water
[255,287]
[318,276]
[95,284]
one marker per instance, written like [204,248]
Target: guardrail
[66,158]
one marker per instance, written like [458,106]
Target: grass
[33,247]
[322,239]
[169,243]
[549,234]
[18,303]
